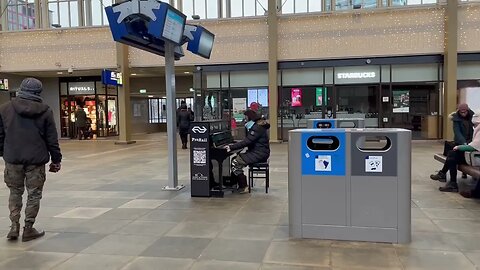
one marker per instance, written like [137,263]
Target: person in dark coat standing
[184,117]
[258,147]
[80,121]
[28,141]
[462,135]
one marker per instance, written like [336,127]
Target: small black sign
[200,159]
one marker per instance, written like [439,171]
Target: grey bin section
[339,122]
[368,203]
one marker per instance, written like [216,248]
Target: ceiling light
[143,91]
[134,74]
[186,72]
[199,95]
[164,97]
[192,90]
[59,72]
[150,96]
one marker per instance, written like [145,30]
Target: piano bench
[259,170]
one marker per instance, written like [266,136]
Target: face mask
[249,124]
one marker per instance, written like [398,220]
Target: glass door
[358,101]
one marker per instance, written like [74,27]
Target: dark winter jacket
[257,142]
[184,117]
[27,133]
[80,118]
[462,127]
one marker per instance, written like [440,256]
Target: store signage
[111,77]
[197,129]
[356,75]
[3,84]
[81,90]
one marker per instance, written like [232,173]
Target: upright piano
[209,160]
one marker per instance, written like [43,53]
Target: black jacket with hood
[27,133]
[257,142]
[184,117]
[462,127]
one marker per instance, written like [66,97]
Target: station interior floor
[106,210]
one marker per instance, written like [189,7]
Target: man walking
[80,122]
[28,138]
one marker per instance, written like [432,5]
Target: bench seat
[470,170]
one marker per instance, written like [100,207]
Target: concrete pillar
[450,67]
[272,22]
[124,105]
[3,19]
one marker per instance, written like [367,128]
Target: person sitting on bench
[457,157]
[257,142]
[474,146]
[463,133]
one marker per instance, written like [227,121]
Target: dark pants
[454,158]
[80,132]
[476,190]
[18,176]
[184,135]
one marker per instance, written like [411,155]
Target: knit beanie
[32,86]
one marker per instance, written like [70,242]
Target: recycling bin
[350,184]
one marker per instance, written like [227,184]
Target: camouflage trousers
[237,165]
[17,177]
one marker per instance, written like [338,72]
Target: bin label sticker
[374,164]
[323,164]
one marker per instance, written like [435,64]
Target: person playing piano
[258,147]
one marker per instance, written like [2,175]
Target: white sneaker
[243,190]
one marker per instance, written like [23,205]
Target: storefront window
[157,110]
[101,108]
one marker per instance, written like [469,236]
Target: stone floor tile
[177,247]
[429,241]
[130,214]
[222,265]
[84,212]
[119,244]
[248,232]
[166,215]
[434,260]
[458,226]
[434,213]
[145,263]
[35,260]
[474,257]
[67,242]
[271,266]
[365,257]
[143,204]
[308,253]
[94,261]
[144,227]
[196,229]
[235,250]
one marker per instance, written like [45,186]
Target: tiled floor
[106,210]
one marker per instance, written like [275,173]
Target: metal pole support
[171,118]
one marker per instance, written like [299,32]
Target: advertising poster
[401,101]
[296,97]
[252,96]
[262,95]
[319,96]
[239,106]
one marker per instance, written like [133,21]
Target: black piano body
[209,160]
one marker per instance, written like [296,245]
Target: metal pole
[171,118]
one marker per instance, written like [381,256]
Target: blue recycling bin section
[350,184]
[320,151]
